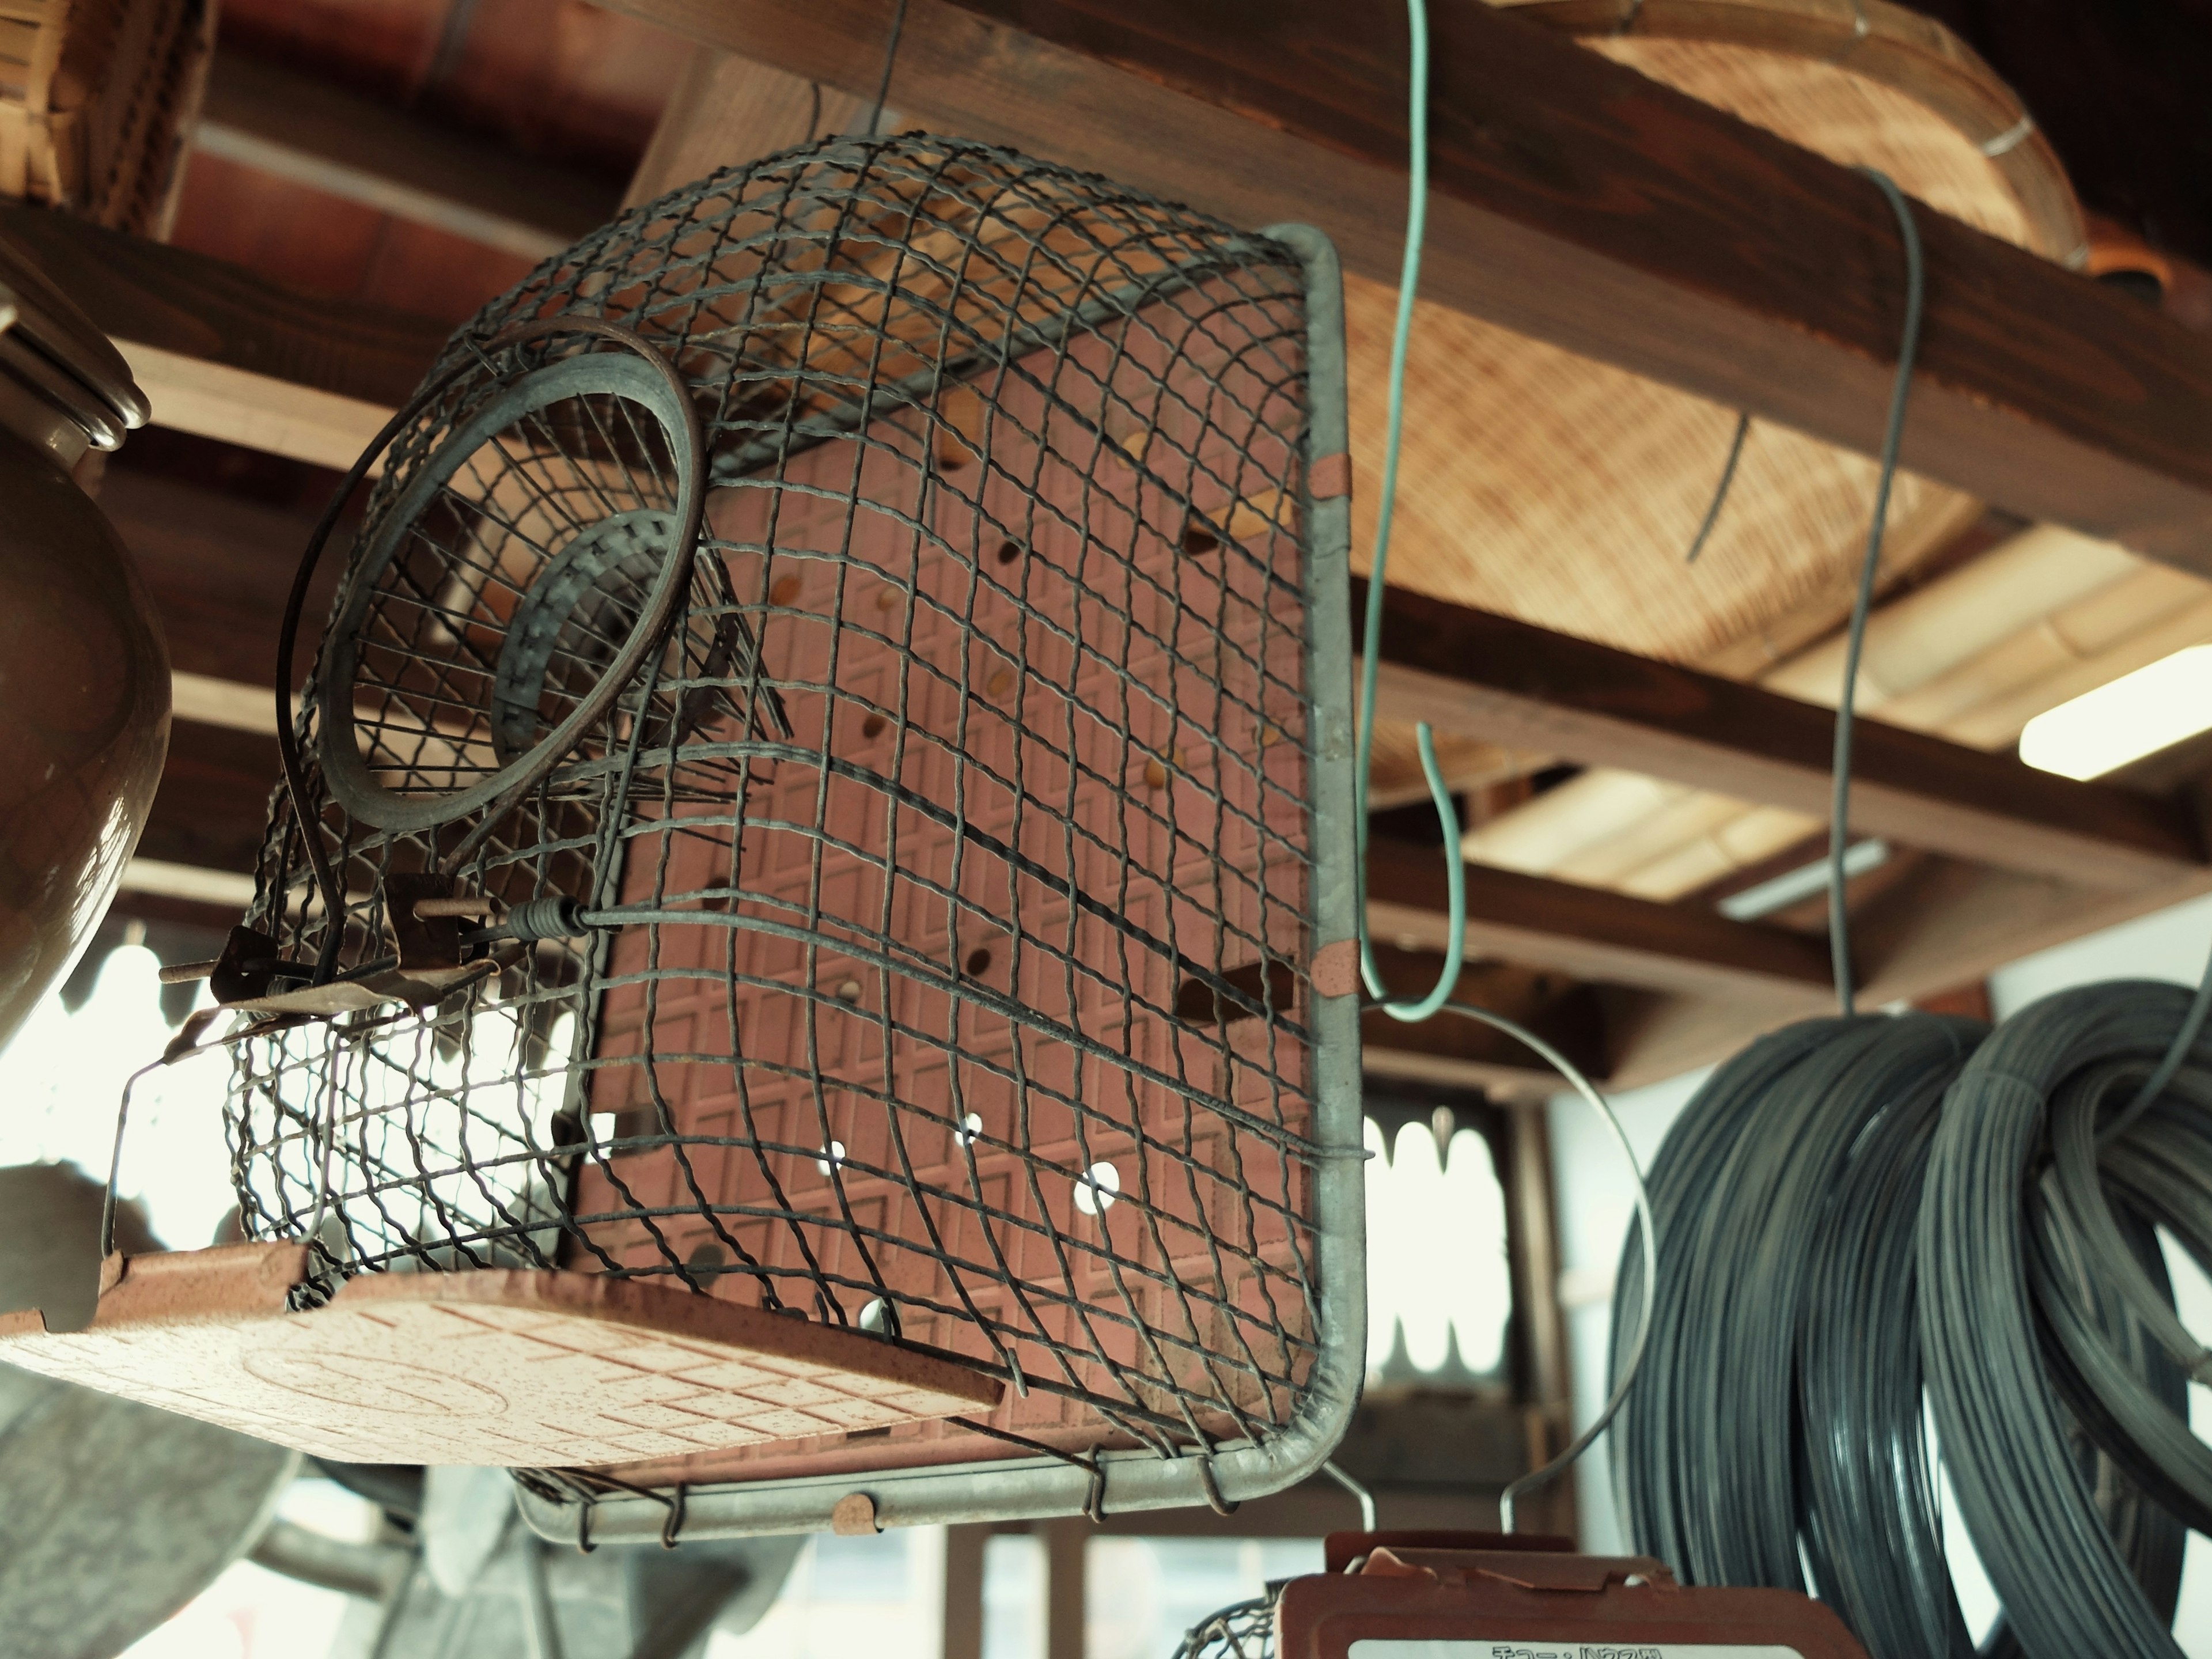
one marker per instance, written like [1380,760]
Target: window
[1439,1278]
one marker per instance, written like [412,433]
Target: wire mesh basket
[836,723]
[1243,1630]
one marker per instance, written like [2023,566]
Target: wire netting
[946,865]
[1243,1630]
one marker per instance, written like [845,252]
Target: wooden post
[963,1591]
[1063,1542]
[1545,1372]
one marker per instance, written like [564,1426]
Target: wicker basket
[1565,491]
[96,99]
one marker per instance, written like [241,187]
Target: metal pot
[84,670]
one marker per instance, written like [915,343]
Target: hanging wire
[884,86]
[2070,1573]
[1417,196]
[2184,1037]
[1720,490]
[1440,997]
[1908,351]
[1358,1490]
[1581,1084]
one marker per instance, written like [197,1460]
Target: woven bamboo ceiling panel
[1565,492]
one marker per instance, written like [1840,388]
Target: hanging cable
[2184,1037]
[1409,275]
[891,60]
[1359,1493]
[1892,438]
[2066,1582]
[1720,490]
[1627,1379]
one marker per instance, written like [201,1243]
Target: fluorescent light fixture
[2124,720]
[1806,879]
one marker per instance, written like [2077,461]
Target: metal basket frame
[1287,1442]
[1121,1481]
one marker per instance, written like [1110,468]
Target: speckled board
[495,1366]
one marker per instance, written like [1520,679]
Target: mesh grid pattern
[948,869]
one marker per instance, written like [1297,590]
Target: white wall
[1595,1206]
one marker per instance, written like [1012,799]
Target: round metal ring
[651,547]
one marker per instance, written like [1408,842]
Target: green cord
[1417,171]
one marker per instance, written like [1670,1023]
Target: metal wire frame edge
[1132,1480]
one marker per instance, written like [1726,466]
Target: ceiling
[571,95]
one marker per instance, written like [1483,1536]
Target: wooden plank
[1575,201]
[1586,932]
[1064,1574]
[265,115]
[215,897]
[1451,1049]
[728,109]
[963,1592]
[577,1357]
[1544,1374]
[1656,1037]
[1506,682]
[213,803]
[227,354]
[1950,921]
[218,566]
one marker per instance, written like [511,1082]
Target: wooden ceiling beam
[1585,932]
[1947,921]
[1574,201]
[331,139]
[212,807]
[1506,682]
[223,353]
[727,109]
[1451,1049]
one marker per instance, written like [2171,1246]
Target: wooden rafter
[1576,202]
[361,149]
[1503,680]
[227,354]
[1585,932]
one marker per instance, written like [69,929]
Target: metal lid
[52,349]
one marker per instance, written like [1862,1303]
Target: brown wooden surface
[1576,202]
[1508,683]
[219,565]
[1951,920]
[1586,932]
[1452,1048]
[1544,1375]
[963,1592]
[1065,1579]
[728,110]
[333,139]
[197,306]
[212,802]
[504,1367]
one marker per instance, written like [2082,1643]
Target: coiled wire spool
[2034,1514]
[1780,1409]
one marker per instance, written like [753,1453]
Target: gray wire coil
[1846,1197]
[2034,1508]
